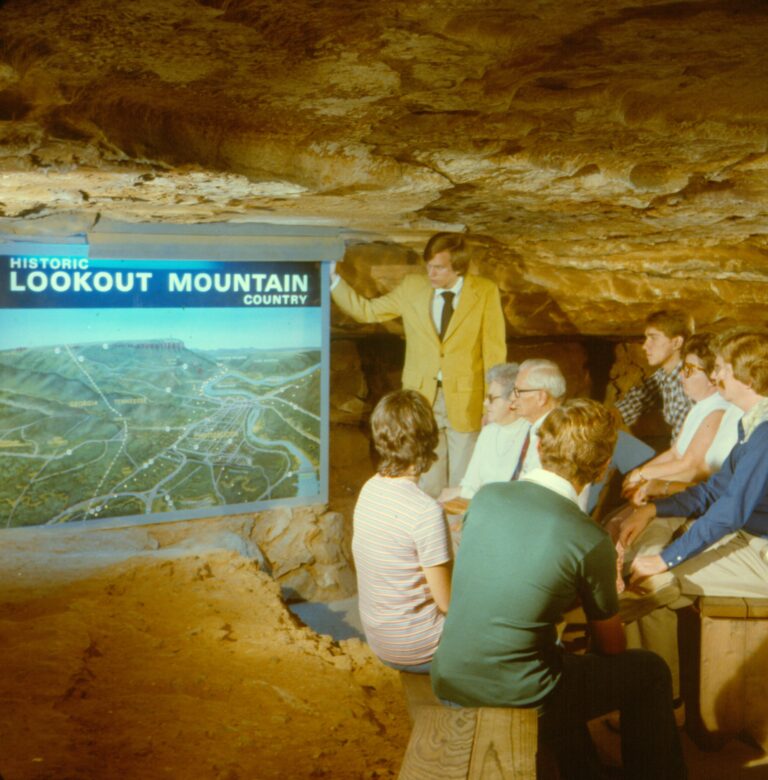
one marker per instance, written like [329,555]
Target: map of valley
[124,429]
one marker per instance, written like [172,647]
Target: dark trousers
[638,684]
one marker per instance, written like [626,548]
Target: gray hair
[506,375]
[545,375]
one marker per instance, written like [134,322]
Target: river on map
[307,476]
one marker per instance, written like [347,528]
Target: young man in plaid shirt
[665,334]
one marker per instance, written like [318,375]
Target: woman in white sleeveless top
[707,436]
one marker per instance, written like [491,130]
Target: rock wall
[307,552]
[304,549]
[607,156]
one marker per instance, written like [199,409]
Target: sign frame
[248,258]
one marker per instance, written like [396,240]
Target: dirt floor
[183,662]
[185,667]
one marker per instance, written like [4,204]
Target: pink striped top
[398,531]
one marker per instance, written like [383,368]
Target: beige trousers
[737,565]
[454,451]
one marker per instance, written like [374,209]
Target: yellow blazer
[475,340]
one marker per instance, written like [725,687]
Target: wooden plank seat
[733,673]
[464,743]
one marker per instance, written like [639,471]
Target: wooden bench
[733,676]
[463,743]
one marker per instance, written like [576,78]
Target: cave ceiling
[608,156]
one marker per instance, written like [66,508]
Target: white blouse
[495,456]
[699,412]
[726,437]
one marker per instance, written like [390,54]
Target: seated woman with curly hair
[400,541]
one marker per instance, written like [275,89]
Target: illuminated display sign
[78,282]
[147,390]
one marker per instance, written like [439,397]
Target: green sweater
[526,555]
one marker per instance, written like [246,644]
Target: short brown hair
[576,440]
[747,351]
[456,244]
[672,322]
[703,346]
[404,433]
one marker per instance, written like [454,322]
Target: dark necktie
[445,317]
[521,459]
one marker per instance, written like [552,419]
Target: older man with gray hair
[540,388]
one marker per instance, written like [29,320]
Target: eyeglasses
[518,391]
[689,369]
[491,398]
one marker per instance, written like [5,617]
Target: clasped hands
[635,487]
[629,527]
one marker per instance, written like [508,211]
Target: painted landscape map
[123,413]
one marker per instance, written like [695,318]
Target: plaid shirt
[659,386]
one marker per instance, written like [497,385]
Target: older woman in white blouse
[498,447]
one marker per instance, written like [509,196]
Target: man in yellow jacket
[454,333]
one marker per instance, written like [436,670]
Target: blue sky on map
[198,328]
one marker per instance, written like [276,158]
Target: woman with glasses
[498,447]
[708,433]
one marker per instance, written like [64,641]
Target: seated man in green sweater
[527,554]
